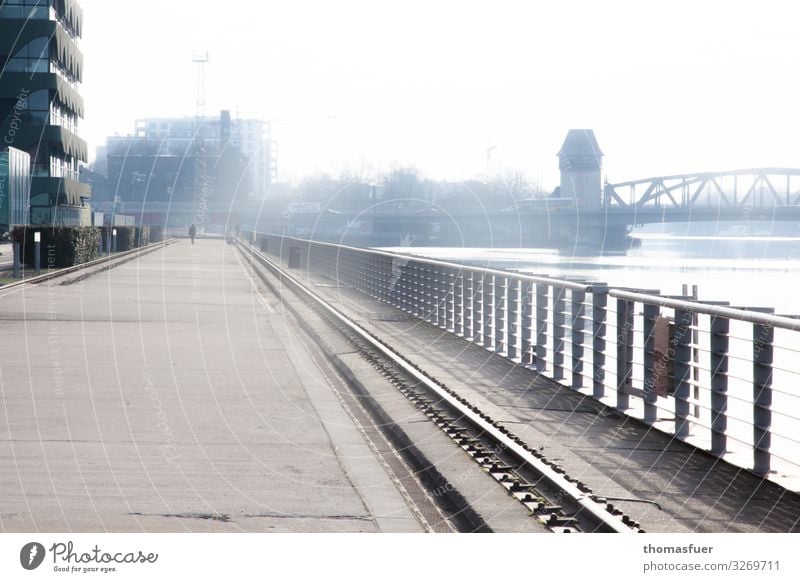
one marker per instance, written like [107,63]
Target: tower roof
[580,142]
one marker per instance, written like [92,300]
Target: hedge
[156,234]
[142,236]
[62,246]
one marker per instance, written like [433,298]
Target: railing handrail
[586,287]
[699,307]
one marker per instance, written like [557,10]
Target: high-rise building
[170,146]
[41,68]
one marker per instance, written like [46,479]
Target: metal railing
[722,378]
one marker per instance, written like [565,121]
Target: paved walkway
[168,395]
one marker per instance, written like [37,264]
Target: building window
[28,9]
[34,57]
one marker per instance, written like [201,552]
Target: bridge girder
[755,187]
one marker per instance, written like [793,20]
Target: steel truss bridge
[751,188]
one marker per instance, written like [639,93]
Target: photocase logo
[32,555]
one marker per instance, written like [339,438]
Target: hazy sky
[668,87]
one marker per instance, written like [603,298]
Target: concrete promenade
[168,394]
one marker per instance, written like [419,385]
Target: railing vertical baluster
[599,330]
[559,331]
[445,288]
[542,299]
[720,342]
[450,303]
[418,296]
[624,352]
[458,303]
[512,319]
[477,309]
[578,335]
[500,314]
[436,295]
[427,293]
[682,339]
[406,285]
[435,287]
[763,339]
[488,311]
[527,294]
[650,396]
[469,305]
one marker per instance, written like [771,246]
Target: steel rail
[597,509]
[95,263]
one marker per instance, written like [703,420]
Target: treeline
[407,186]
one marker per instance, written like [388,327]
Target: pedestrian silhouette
[192,233]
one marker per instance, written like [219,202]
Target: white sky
[668,87]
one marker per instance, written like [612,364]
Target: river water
[744,270]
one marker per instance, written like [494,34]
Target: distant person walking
[192,233]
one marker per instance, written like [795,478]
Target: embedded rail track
[559,502]
[108,262]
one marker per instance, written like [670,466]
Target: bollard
[17,261]
[37,252]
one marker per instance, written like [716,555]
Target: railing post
[488,311]
[559,331]
[500,314]
[527,294]
[650,395]
[763,339]
[681,341]
[542,299]
[477,308]
[450,300]
[417,297]
[469,305]
[624,352]
[443,300]
[435,287]
[512,319]
[578,333]
[720,341]
[599,330]
[458,303]
[425,291]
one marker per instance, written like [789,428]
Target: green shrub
[142,236]
[126,238]
[156,234]
[62,246]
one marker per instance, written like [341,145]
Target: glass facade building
[41,68]
[15,182]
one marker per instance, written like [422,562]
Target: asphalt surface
[170,394]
